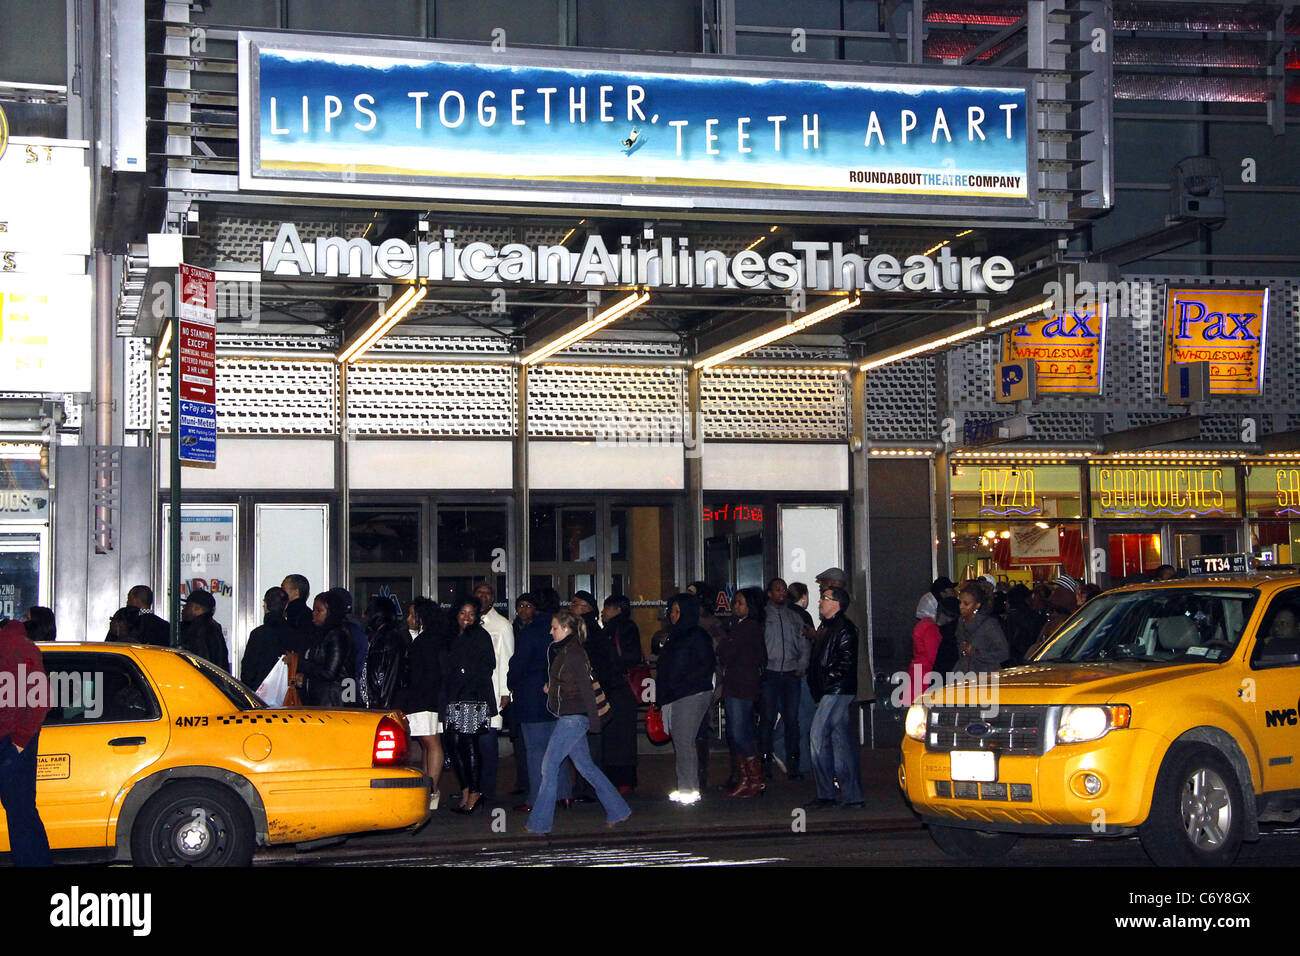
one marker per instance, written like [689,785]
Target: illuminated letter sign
[1137,492]
[1068,350]
[1224,327]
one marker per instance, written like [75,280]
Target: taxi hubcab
[156,756]
[1169,709]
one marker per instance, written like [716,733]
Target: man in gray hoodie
[787,659]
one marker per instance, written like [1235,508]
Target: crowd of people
[987,624]
[567,683]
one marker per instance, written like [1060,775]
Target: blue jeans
[28,844]
[741,736]
[536,738]
[780,695]
[834,751]
[569,739]
[807,706]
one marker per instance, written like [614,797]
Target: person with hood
[949,613]
[270,641]
[742,653]
[571,698]
[925,647]
[421,697]
[980,638]
[683,689]
[527,677]
[328,661]
[385,665]
[833,680]
[200,633]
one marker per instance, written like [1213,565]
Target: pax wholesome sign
[407,118]
[1068,351]
[1223,327]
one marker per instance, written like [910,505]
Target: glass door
[384,558]
[1190,542]
[1133,550]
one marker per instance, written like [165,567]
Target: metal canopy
[228,236]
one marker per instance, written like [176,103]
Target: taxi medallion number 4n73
[191,721]
[979,766]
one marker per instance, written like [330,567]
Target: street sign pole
[174,505]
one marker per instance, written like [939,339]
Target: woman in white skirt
[421,698]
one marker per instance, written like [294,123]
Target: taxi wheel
[972,844]
[193,824]
[1196,814]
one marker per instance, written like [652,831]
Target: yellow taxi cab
[1170,710]
[154,755]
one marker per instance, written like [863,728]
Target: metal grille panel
[901,401]
[424,398]
[794,404]
[447,344]
[584,401]
[267,397]
[139,363]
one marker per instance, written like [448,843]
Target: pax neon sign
[1193,311]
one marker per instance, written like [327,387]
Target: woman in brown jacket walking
[572,699]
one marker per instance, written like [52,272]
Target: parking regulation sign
[198,434]
[197,345]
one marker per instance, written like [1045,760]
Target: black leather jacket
[385,667]
[327,664]
[834,665]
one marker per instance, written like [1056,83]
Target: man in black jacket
[200,633]
[153,629]
[833,680]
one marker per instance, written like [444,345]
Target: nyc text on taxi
[157,756]
[1171,710]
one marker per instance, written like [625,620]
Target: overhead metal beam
[1183,428]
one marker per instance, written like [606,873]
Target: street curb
[601,837]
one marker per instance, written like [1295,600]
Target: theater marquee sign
[458,120]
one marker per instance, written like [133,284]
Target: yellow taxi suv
[1170,710]
[156,756]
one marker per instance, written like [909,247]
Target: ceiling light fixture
[780,332]
[616,311]
[923,347]
[396,311]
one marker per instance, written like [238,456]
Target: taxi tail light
[390,743]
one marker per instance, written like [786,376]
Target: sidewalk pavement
[654,817]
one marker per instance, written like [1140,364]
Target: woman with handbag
[742,654]
[571,697]
[471,700]
[683,688]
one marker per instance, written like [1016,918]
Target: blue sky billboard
[461,121]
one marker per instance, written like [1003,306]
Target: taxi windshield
[1163,625]
[233,690]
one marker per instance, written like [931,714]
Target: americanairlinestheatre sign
[410,118]
[671,262]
